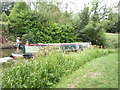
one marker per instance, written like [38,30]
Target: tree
[4,17]
[19,14]
[39,26]
[52,33]
[95,33]
[89,27]
[6,7]
[95,11]
[80,21]
[109,18]
[113,21]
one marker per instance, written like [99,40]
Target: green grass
[99,73]
[43,72]
[112,35]
[112,39]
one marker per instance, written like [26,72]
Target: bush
[93,32]
[43,72]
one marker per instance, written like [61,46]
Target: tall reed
[43,72]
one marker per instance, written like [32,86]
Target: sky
[77,5]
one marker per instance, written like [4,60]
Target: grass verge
[99,73]
[112,40]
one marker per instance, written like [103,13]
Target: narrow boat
[28,50]
[5,59]
[16,55]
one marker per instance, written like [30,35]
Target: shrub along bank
[43,72]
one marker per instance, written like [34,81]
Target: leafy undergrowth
[43,72]
[99,73]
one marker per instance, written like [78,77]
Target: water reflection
[6,52]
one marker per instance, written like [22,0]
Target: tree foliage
[113,22]
[4,17]
[81,21]
[50,33]
[91,23]
[95,33]
[40,26]
[46,23]
[6,7]
[18,18]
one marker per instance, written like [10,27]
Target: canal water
[6,52]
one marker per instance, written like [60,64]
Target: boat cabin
[35,48]
[31,48]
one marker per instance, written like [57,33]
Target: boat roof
[56,44]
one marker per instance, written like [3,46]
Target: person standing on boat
[27,43]
[17,42]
